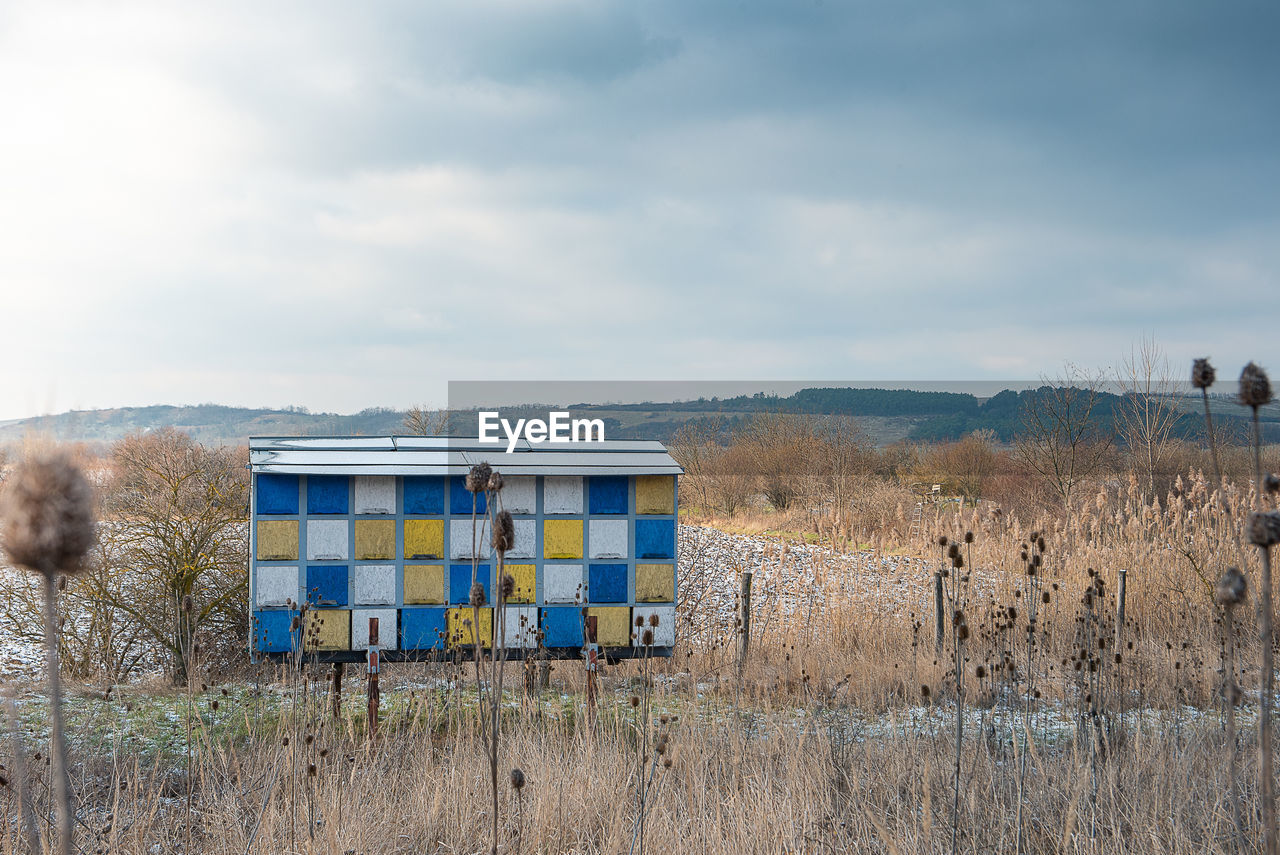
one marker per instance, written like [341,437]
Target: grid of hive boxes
[400,548]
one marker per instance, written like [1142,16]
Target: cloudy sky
[343,205]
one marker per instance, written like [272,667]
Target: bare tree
[419,421]
[781,449]
[1148,409]
[843,456]
[719,478]
[1059,438]
[178,515]
[964,467]
[694,447]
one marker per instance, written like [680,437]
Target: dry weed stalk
[1264,532]
[49,527]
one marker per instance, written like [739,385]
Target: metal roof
[435,455]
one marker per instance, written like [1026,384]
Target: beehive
[360,527]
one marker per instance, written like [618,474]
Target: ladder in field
[917,515]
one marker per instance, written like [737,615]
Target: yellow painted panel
[327,629]
[423,583]
[423,538]
[375,539]
[613,625]
[655,583]
[278,540]
[458,627]
[655,494]
[562,539]
[526,579]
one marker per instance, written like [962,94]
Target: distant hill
[211,424]
[887,416]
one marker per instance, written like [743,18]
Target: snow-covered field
[18,659]
[797,579]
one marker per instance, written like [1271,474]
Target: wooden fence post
[744,640]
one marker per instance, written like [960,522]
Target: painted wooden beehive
[361,527]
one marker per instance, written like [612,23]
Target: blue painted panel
[327,585]
[328,494]
[277,494]
[562,626]
[607,583]
[655,538]
[460,499]
[424,494]
[607,494]
[460,584]
[271,631]
[422,629]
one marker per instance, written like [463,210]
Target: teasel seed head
[634,701]
[968,537]
[187,604]
[1202,374]
[953,550]
[478,477]
[1232,587]
[495,481]
[477,594]
[517,779]
[1264,528]
[958,562]
[1255,387]
[508,586]
[504,532]
[646,638]
[942,541]
[48,515]
[653,619]
[1271,483]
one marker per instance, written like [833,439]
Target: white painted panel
[460,532]
[526,540]
[375,584]
[328,539]
[375,494]
[518,632]
[276,586]
[562,494]
[608,538]
[562,583]
[520,494]
[388,632]
[664,634]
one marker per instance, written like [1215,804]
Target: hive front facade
[383,527]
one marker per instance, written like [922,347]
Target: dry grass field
[837,733]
